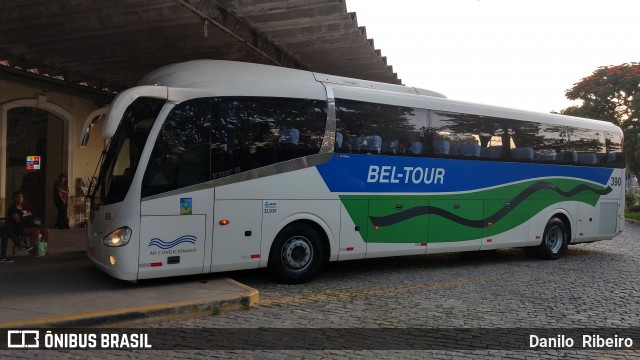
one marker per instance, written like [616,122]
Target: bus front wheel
[296,254]
[554,240]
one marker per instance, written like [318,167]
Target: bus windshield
[124,150]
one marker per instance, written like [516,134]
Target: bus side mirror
[92,119]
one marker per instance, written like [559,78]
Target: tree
[612,93]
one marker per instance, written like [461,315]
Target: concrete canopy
[110,45]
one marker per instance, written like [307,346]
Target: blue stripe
[354,173]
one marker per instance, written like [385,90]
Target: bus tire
[296,254]
[554,240]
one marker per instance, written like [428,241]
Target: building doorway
[34,158]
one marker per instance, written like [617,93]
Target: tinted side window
[587,146]
[614,143]
[370,128]
[539,142]
[469,136]
[252,132]
[180,156]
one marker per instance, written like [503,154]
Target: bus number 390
[616,181]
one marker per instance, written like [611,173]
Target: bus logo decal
[186,206]
[191,239]
[270,207]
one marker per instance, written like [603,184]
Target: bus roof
[239,78]
[203,74]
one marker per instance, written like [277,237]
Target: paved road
[594,285]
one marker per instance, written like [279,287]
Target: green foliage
[612,93]
[632,215]
[632,200]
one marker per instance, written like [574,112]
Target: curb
[149,313]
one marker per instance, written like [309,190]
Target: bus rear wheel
[554,240]
[296,254]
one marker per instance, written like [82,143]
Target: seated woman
[22,221]
[5,234]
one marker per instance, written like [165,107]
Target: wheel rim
[555,239]
[297,253]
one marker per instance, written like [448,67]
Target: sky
[521,54]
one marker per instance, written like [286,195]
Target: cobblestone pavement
[593,285]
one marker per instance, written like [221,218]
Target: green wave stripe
[474,208]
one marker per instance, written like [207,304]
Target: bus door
[353,229]
[454,225]
[506,223]
[173,234]
[397,227]
[588,220]
[236,234]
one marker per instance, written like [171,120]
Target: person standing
[60,199]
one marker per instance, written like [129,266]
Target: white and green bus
[217,166]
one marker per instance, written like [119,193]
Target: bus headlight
[119,237]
